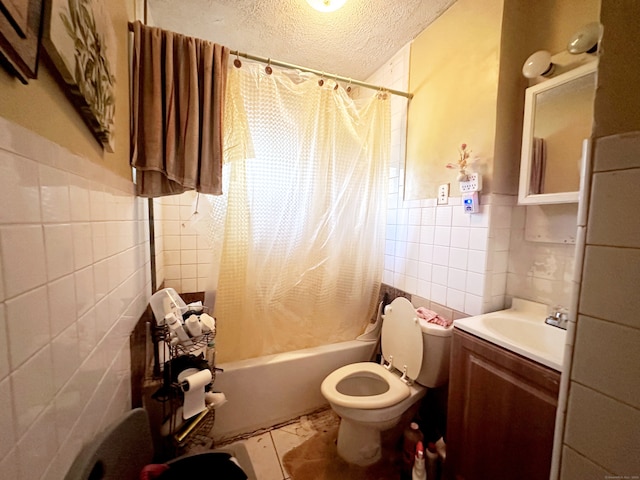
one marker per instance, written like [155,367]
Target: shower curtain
[298,234]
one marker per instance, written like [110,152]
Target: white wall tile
[4,346]
[7,419]
[38,446]
[613,209]
[617,152]
[443,215]
[473,304]
[425,271]
[603,430]
[606,358]
[23,258]
[442,236]
[440,255]
[475,283]
[440,274]
[456,279]
[477,261]
[65,356]
[460,237]
[19,190]
[606,266]
[455,299]
[425,253]
[59,250]
[54,195]
[85,293]
[27,325]
[458,258]
[62,303]
[33,388]
[478,238]
[82,245]
[79,199]
[439,294]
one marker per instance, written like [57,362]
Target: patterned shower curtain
[299,231]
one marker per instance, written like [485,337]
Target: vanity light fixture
[587,39]
[326,5]
[538,64]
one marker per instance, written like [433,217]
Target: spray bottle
[419,472]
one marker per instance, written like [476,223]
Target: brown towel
[178,94]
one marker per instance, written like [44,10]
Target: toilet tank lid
[435,330]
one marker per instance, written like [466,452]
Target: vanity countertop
[520,329]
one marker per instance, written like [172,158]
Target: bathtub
[266,391]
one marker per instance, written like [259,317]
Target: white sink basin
[520,329]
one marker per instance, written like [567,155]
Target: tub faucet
[558,318]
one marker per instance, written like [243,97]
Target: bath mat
[317,459]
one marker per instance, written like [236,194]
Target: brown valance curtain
[178,90]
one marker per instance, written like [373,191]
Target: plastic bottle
[210,355]
[193,326]
[419,472]
[433,462]
[412,435]
[174,324]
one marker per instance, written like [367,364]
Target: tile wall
[74,280]
[182,249]
[603,411]
[468,264]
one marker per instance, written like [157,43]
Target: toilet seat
[396,392]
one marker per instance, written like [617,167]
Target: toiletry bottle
[174,324]
[412,435]
[193,326]
[433,462]
[419,472]
[210,355]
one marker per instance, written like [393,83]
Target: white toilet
[371,398]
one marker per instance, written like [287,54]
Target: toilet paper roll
[194,393]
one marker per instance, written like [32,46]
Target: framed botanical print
[20,27]
[81,42]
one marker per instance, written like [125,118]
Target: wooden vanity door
[501,414]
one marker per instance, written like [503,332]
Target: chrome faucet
[558,318]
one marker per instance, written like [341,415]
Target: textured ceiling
[353,41]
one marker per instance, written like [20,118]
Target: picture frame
[20,35]
[81,43]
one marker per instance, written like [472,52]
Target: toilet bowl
[371,398]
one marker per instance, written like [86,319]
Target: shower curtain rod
[311,70]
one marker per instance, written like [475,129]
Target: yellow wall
[617,106]
[466,76]
[42,106]
[454,79]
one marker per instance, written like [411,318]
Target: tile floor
[267,449]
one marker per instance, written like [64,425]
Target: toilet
[371,397]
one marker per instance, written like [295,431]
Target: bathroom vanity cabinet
[501,413]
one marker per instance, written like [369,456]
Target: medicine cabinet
[558,117]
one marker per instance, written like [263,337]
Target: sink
[520,329]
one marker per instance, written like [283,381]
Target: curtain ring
[268,68]
[349,86]
[337,84]
[321,81]
[237,63]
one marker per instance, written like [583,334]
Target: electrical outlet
[473,183]
[443,194]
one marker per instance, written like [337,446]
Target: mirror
[558,117]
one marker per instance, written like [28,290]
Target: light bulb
[326,5]
[538,64]
[586,39]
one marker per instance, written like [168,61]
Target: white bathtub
[265,391]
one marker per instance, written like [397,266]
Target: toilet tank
[436,349]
